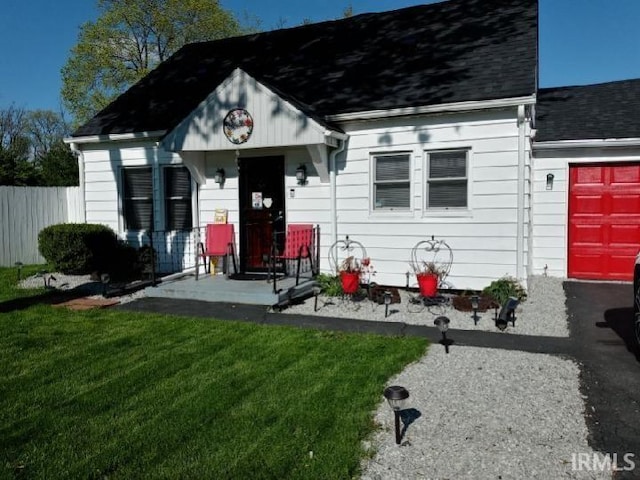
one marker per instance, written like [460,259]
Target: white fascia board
[116,137]
[427,109]
[596,143]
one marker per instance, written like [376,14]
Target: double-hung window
[447,179]
[391,181]
[137,198]
[177,197]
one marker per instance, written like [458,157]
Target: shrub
[330,284]
[500,290]
[78,248]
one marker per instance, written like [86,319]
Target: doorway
[261,210]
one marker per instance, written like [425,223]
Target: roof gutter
[521,190]
[116,137]
[333,184]
[427,109]
[595,143]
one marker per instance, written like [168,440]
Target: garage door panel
[588,204]
[604,220]
[627,204]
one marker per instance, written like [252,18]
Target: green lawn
[108,394]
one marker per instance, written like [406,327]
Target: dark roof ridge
[588,85]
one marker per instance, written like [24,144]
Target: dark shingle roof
[605,110]
[453,51]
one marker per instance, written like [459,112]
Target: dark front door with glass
[261,210]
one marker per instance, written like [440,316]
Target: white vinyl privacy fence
[24,211]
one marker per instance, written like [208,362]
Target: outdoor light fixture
[19,266]
[301,174]
[396,396]
[507,313]
[549,181]
[219,176]
[387,302]
[316,292]
[475,304]
[443,325]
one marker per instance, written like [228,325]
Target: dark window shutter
[138,198]
[177,194]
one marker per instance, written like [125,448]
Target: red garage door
[604,220]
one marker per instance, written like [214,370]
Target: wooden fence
[24,211]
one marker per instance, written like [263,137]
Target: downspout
[521,185]
[81,183]
[334,188]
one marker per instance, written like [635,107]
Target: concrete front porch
[218,288]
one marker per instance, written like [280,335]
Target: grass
[110,394]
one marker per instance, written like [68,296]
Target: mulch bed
[463,303]
[376,294]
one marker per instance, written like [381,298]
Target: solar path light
[396,396]
[475,304]
[387,302]
[316,292]
[443,325]
[19,267]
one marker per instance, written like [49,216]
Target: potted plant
[350,271]
[428,275]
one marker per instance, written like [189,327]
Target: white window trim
[389,212]
[446,211]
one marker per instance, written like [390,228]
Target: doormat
[249,276]
[87,303]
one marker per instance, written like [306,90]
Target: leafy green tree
[129,38]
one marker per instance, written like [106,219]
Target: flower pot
[428,283]
[350,282]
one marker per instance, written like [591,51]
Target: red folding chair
[219,242]
[298,245]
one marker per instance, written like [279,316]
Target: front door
[261,210]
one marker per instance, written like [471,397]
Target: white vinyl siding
[447,179]
[391,181]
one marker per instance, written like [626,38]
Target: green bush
[330,284]
[78,248]
[500,290]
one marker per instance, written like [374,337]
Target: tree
[129,38]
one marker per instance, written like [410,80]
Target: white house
[408,124]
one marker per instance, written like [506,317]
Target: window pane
[448,194]
[137,214]
[138,183]
[177,182]
[447,164]
[392,195]
[179,215]
[392,167]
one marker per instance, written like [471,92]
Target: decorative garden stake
[316,292]
[19,266]
[475,304]
[105,279]
[387,302]
[443,325]
[396,396]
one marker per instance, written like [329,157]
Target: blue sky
[581,41]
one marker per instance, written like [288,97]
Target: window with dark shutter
[447,179]
[391,183]
[177,195]
[137,184]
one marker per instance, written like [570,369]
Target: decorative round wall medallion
[238,126]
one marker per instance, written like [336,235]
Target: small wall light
[387,302]
[443,325]
[301,174]
[396,396]
[549,181]
[475,304]
[219,176]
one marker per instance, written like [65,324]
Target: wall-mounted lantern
[301,174]
[549,181]
[219,177]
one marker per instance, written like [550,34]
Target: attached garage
[604,221]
